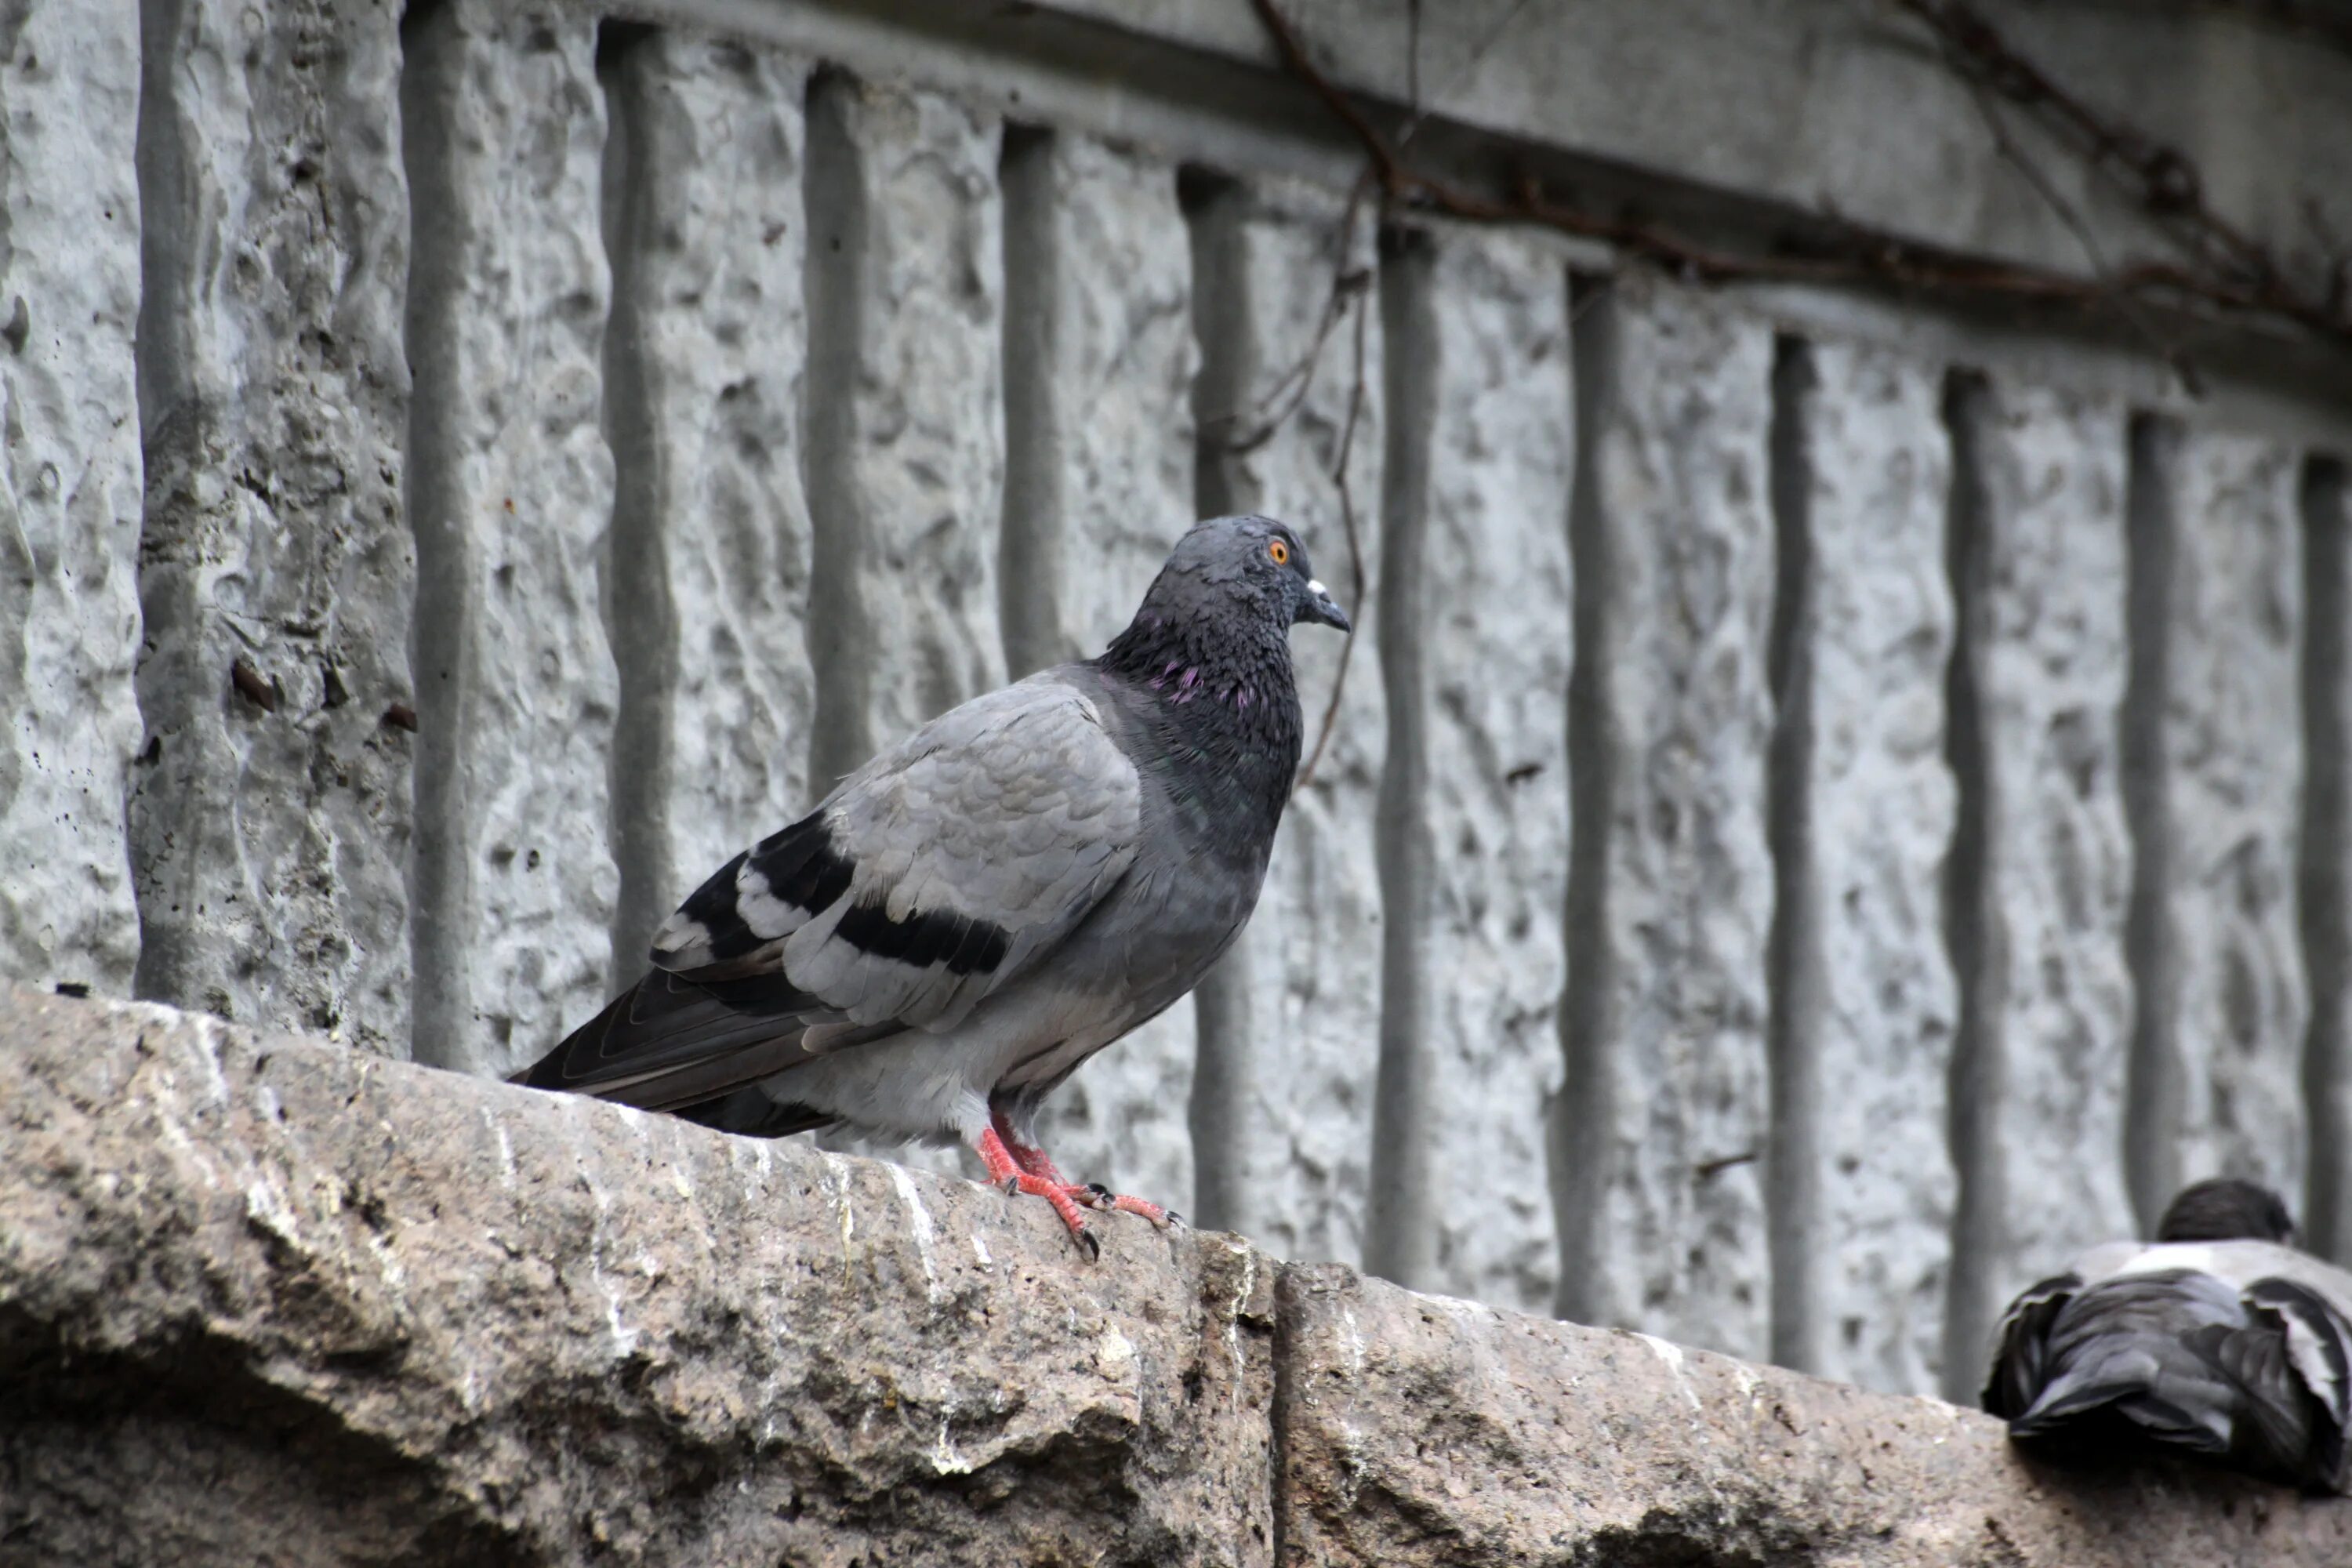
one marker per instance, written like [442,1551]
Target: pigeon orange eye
[1280,552]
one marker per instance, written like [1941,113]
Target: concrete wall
[1835,802]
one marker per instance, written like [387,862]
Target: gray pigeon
[2221,1340]
[986,904]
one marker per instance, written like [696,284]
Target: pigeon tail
[2157,1384]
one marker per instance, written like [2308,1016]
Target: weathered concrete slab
[1497,634]
[331,1309]
[2047,1016]
[1664,1113]
[266,1301]
[1869,1002]
[706,364]
[1100,359]
[70,492]
[1414,1429]
[1289,1022]
[271,809]
[510,493]
[2235,760]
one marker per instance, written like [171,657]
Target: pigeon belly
[1105,982]
[935,1087]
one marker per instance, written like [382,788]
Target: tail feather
[669,1043]
[2158,1385]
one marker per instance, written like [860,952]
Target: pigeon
[989,902]
[2221,1340]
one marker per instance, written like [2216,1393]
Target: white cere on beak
[1314,587]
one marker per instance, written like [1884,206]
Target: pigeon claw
[1066,1200]
[1095,1196]
[1035,1176]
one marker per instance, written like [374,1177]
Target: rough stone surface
[262,1300]
[1663,1131]
[1497,630]
[1292,1011]
[70,492]
[509,492]
[2053,994]
[1877,469]
[339,1311]
[705,372]
[2234,751]
[1414,1429]
[1107,429]
[271,808]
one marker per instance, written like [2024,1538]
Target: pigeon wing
[2021,1359]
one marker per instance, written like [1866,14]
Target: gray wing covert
[933,875]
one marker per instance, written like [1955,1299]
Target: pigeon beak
[1321,608]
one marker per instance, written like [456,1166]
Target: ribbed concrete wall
[1819,823]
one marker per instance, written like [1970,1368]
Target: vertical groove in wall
[1584,1115]
[1793,963]
[1213,209]
[1399,1229]
[166,246]
[2154,1088]
[1029,544]
[1969,916]
[2325,888]
[1217,1115]
[640,620]
[428,88]
[840,738]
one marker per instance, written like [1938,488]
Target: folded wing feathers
[2022,1344]
[2223,1348]
[933,874]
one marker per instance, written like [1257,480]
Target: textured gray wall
[1834,803]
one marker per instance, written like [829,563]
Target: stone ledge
[265,1301]
[1418,1429]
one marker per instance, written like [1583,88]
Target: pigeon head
[1253,563]
[2226,1209]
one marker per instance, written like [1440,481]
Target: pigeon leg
[1006,1172]
[1035,1162]
[1026,1154]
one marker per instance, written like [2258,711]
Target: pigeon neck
[1225,692]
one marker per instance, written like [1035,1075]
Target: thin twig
[2158,178]
[2053,198]
[1478,57]
[1355,546]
